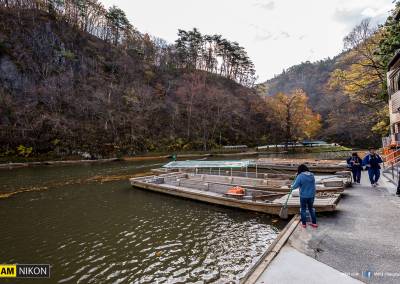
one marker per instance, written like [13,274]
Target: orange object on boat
[236,190]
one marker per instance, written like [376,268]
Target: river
[91,227]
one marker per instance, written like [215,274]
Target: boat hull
[268,208]
[290,168]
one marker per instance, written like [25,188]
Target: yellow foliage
[362,78]
[24,151]
[382,126]
[298,121]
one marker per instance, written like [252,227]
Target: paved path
[292,266]
[361,239]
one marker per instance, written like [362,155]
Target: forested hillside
[78,77]
[348,91]
[343,120]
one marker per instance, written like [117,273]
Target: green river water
[91,226]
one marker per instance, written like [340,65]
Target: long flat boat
[274,180]
[317,166]
[225,172]
[255,200]
[329,169]
[273,185]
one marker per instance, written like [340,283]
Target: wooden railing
[392,157]
[391,165]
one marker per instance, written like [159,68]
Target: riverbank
[18,162]
[49,163]
[359,242]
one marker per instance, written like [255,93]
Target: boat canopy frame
[193,164]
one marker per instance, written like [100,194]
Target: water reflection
[106,232]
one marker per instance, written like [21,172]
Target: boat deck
[253,199]
[275,185]
[322,166]
[211,193]
[326,201]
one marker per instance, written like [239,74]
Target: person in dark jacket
[355,164]
[372,162]
[305,181]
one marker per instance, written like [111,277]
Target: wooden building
[393,82]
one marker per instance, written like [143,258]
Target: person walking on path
[305,181]
[372,162]
[355,164]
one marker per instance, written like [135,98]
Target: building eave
[394,60]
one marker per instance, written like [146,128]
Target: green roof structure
[207,164]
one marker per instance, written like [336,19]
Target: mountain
[76,77]
[64,90]
[344,121]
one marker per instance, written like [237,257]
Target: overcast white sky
[276,33]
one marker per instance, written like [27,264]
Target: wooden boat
[255,200]
[225,172]
[273,185]
[243,173]
[292,165]
[337,180]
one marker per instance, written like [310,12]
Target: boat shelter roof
[234,146]
[207,164]
[308,142]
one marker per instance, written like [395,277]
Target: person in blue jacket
[355,164]
[372,162]
[305,181]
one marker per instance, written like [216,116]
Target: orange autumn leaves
[297,120]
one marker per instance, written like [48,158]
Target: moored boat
[339,180]
[274,185]
[344,175]
[253,199]
[317,166]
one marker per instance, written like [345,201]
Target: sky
[275,33]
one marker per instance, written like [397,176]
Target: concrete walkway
[292,266]
[361,239]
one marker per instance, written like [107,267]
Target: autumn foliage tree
[297,120]
[363,77]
